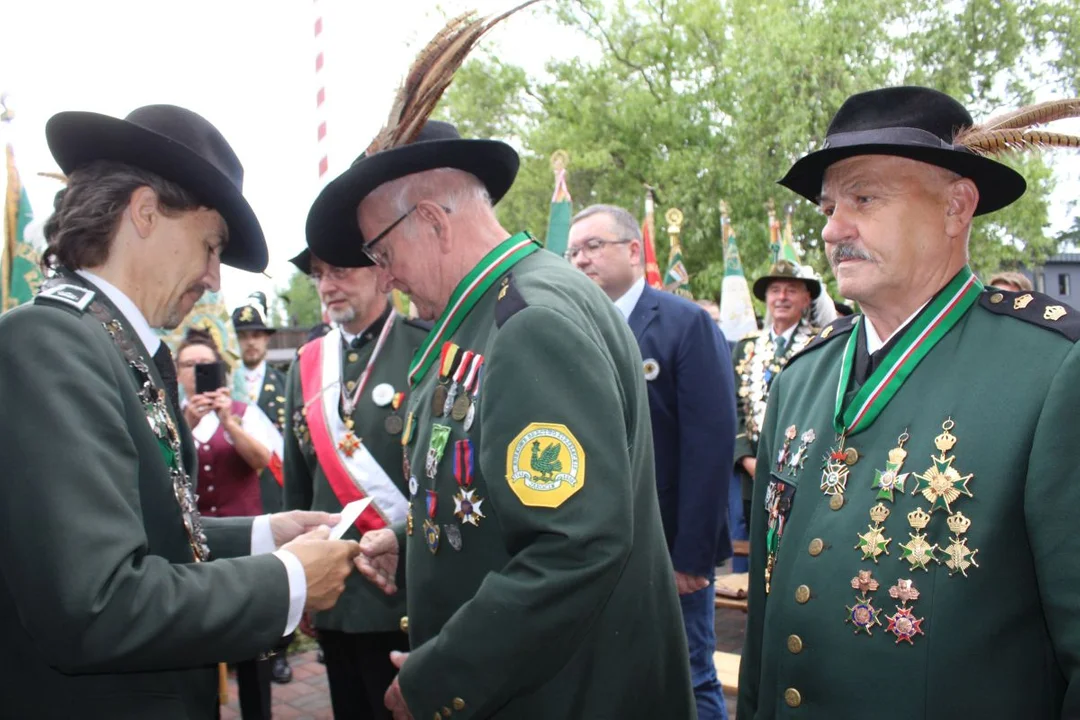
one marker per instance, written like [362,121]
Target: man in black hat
[763,353]
[113,601]
[540,584]
[346,408]
[913,540]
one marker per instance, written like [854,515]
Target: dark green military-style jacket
[994,631]
[362,607]
[103,612]
[272,402]
[550,592]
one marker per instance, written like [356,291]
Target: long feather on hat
[431,73]
[1016,131]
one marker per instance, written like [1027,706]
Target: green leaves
[710,100]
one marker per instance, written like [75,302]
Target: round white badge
[652,369]
[382,394]
[414,486]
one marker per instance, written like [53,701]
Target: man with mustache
[346,408]
[761,355]
[913,535]
[117,600]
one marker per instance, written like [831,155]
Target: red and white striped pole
[320,95]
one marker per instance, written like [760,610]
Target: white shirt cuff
[297,588]
[262,542]
[262,537]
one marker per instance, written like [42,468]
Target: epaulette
[840,326]
[509,301]
[424,325]
[1035,308]
[67,296]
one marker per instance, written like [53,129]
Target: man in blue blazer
[692,402]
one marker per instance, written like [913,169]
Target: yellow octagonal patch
[545,465]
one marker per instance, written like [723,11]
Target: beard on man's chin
[342,315]
[175,315]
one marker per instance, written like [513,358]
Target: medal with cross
[873,542]
[919,552]
[890,480]
[835,467]
[862,613]
[942,484]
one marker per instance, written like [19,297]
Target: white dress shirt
[262,537]
[253,381]
[629,300]
[874,341]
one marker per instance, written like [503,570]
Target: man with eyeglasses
[345,414]
[692,404]
[539,580]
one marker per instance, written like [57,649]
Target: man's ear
[143,210]
[434,216]
[963,198]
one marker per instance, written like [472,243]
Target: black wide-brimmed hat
[178,145]
[785,270]
[302,261]
[332,230]
[911,122]
[252,314]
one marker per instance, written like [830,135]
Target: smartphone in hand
[209,377]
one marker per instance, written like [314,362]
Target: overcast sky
[248,67]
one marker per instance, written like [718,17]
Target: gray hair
[450,187]
[623,223]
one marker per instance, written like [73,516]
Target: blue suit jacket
[692,403]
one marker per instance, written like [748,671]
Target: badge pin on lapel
[652,369]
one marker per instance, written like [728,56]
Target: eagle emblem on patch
[651,368]
[545,465]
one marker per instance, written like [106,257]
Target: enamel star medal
[835,467]
[466,502]
[349,444]
[959,556]
[941,484]
[862,613]
[784,455]
[904,625]
[918,552]
[890,480]
[873,542]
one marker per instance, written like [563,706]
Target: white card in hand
[349,513]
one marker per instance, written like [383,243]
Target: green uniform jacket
[103,612]
[1003,642]
[362,607]
[545,612]
[745,446]
[272,402]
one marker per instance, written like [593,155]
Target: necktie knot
[781,344]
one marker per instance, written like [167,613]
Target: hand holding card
[349,514]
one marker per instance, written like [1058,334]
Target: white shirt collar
[128,309]
[629,300]
[874,341]
[786,334]
[259,371]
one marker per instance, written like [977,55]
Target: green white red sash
[466,295]
[932,324]
[351,477]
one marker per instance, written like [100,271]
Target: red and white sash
[355,477]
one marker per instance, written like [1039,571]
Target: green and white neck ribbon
[932,324]
[466,295]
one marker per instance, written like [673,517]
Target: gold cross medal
[960,556]
[941,484]
[862,614]
[873,542]
[836,466]
[918,551]
[890,480]
[350,443]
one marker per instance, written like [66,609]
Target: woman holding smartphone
[233,441]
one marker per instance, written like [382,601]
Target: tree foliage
[714,99]
[301,301]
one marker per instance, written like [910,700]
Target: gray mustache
[847,252]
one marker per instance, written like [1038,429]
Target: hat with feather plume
[410,143]
[927,125]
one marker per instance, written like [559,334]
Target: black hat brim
[332,231]
[762,284]
[998,184]
[302,261]
[77,138]
[245,327]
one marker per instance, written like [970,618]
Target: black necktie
[164,361]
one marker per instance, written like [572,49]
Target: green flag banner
[558,230]
[20,265]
